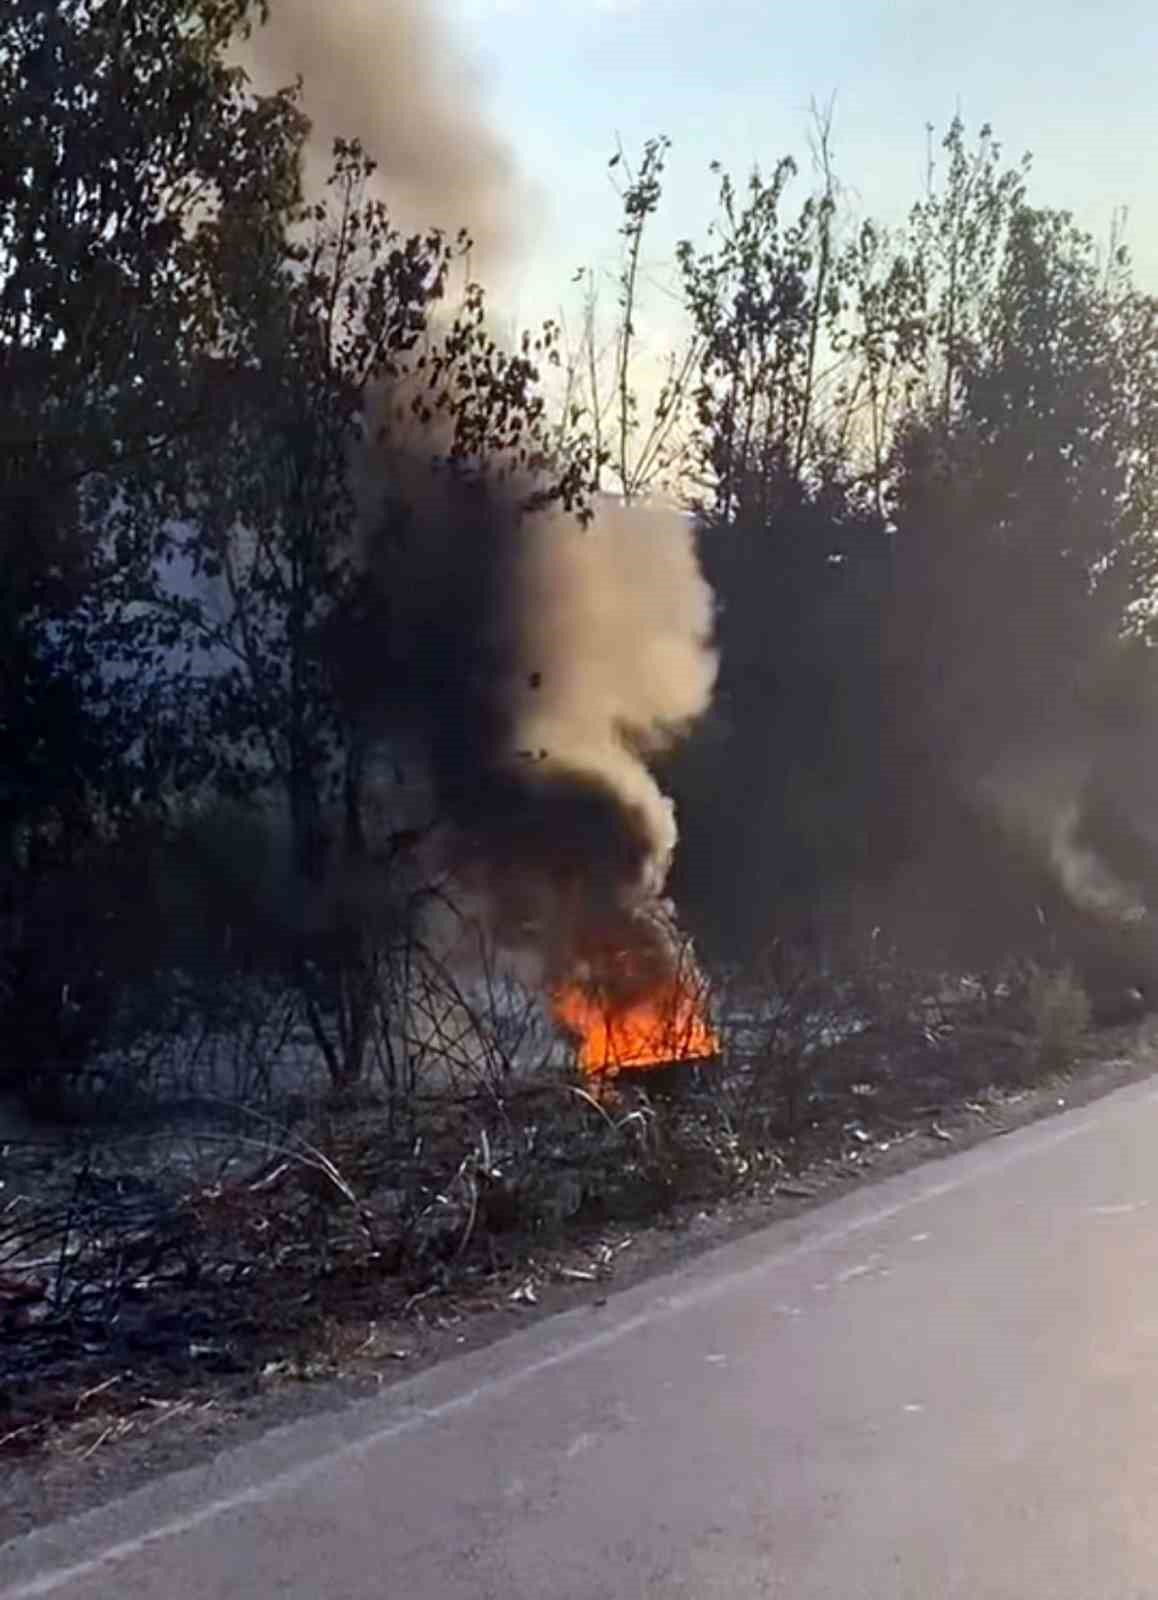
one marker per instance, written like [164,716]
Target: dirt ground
[67,1446]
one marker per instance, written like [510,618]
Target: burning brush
[530,668]
[636,1007]
[536,667]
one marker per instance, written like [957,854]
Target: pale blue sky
[1075,83]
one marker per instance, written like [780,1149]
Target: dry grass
[321,1248]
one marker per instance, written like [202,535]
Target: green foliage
[186,347]
[923,461]
[926,480]
[761,298]
[127,141]
[128,146]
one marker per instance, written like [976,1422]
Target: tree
[606,415]
[764,299]
[127,140]
[927,498]
[340,332]
[1016,524]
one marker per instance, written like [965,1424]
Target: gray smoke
[537,668]
[531,669]
[388,72]
[1039,800]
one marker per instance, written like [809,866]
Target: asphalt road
[944,1387]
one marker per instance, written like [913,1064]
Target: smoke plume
[529,667]
[387,72]
[1041,801]
[536,667]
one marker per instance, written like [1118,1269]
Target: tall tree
[127,142]
[127,139]
[342,330]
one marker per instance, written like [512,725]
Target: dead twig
[98,1389]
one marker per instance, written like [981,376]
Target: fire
[664,1025]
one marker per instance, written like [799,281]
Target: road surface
[944,1387]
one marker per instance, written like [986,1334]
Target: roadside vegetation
[251,1113]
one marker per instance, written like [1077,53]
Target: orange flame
[665,1025]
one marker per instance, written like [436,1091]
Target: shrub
[1059,1010]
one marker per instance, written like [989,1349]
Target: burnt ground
[86,1416]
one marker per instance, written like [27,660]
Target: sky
[1075,83]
